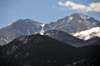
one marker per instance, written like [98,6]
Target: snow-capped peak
[42,30]
[87,34]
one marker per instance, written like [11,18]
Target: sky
[45,11]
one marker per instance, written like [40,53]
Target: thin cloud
[63,9]
[53,6]
[73,6]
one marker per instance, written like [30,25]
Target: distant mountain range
[71,24]
[70,41]
[41,50]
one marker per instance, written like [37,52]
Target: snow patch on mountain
[9,25]
[70,18]
[42,30]
[83,16]
[80,21]
[42,25]
[87,34]
[28,32]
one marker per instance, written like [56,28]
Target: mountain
[71,24]
[66,38]
[18,28]
[41,50]
[35,49]
[98,42]
[88,34]
[94,40]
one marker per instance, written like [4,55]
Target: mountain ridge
[71,24]
[36,50]
[66,38]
